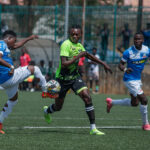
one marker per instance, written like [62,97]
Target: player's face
[75,35]
[11,42]
[138,40]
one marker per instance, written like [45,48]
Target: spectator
[43,67]
[50,71]
[4,27]
[104,33]
[93,72]
[24,61]
[126,35]
[24,58]
[146,34]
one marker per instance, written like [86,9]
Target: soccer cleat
[96,132]
[46,115]
[109,104]
[48,95]
[1,131]
[146,127]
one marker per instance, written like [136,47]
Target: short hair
[9,33]
[75,26]
[141,33]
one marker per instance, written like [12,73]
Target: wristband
[125,69]
[12,67]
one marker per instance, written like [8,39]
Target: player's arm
[4,63]
[22,42]
[123,68]
[95,59]
[65,62]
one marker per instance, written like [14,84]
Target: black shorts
[77,85]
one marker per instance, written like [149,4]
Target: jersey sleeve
[149,53]
[82,48]
[2,47]
[125,56]
[64,49]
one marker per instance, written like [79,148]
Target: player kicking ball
[135,57]
[11,77]
[69,78]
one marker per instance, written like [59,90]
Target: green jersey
[69,50]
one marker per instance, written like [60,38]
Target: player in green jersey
[68,76]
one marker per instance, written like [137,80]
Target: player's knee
[134,103]
[143,99]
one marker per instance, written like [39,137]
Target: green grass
[28,113]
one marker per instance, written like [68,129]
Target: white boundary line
[74,127]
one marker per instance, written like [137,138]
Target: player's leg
[12,101]
[144,111]
[80,88]
[133,87]
[97,81]
[38,74]
[57,106]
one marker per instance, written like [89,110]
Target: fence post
[114,34]
[56,13]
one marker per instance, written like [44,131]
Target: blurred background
[108,25]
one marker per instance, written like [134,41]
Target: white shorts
[134,87]
[11,85]
[93,75]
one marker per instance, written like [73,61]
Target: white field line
[74,127]
[69,118]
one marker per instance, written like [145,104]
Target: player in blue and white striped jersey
[135,57]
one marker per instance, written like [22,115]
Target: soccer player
[135,58]
[68,76]
[93,72]
[11,77]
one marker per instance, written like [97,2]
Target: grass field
[26,129]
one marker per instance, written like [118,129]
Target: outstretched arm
[22,42]
[95,59]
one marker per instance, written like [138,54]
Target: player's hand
[129,70]
[82,54]
[107,69]
[11,72]
[32,37]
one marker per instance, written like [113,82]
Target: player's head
[75,33]
[9,37]
[94,50]
[138,40]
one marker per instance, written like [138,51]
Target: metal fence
[49,23]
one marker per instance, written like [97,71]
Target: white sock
[38,74]
[7,110]
[92,126]
[143,110]
[122,102]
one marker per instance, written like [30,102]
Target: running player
[135,57]
[11,77]
[69,77]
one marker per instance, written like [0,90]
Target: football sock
[90,112]
[92,126]
[7,109]
[51,109]
[38,74]
[143,110]
[122,102]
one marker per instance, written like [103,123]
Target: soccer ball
[53,87]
